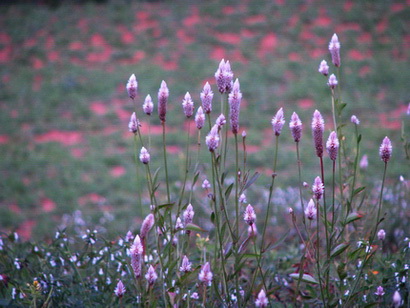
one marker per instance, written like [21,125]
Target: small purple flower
[324,68]
[332,82]
[354,120]
[310,210]
[188,216]
[318,125]
[221,121]
[228,76]
[334,48]
[318,188]
[136,252]
[381,235]
[295,126]
[119,290]
[408,110]
[249,216]
[244,134]
[148,105]
[163,94]
[385,150]
[206,184]
[199,118]
[132,86]
[185,265]
[219,77]
[151,275]
[129,237]
[205,275]
[134,124]
[144,156]
[332,145]
[206,98]
[188,105]
[136,247]
[262,301]
[147,225]
[278,121]
[397,299]
[234,100]
[364,163]
[379,291]
[242,198]
[212,139]
[252,230]
[178,224]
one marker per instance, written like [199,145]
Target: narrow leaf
[254,177]
[339,249]
[194,227]
[305,278]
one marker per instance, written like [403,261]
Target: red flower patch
[98,108]
[357,55]
[255,19]
[306,103]
[173,149]
[75,46]
[77,152]
[117,171]
[37,63]
[90,198]
[347,6]
[47,205]
[230,38]
[267,45]
[64,137]
[37,82]
[4,139]
[25,230]
[218,53]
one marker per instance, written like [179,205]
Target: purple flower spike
[249,216]
[324,68]
[318,125]
[364,162]
[332,145]
[332,83]
[206,98]
[234,100]
[119,290]
[278,121]
[188,214]
[134,123]
[199,118]
[151,275]
[185,265]
[381,235]
[311,210]
[212,139]
[334,48]
[163,95]
[147,225]
[132,86]
[318,188]
[136,252]
[354,120]
[295,126]
[385,150]
[148,106]
[262,301]
[379,291]
[205,275]
[188,105]
[144,156]
[228,76]
[221,121]
[224,77]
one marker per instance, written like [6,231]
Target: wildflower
[318,125]
[133,124]
[136,251]
[206,98]
[151,275]
[195,295]
[252,230]
[188,214]
[228,76]
[199,118]
[332,82]
[354,120]
[178,224]
[206,184]
[132,86]
[242,198]
[119,289]
[148,105]
[290,210]
[147,225]
[295,126]
[163,94]
[379,291]
[185,265]
[188,105]
[205,275]
[323,68]
[318,188]
[129,237]
[396,299]
[364,163]
[306,185]
[144,156]
[224,77]
[212,139]
[408,110]
[332,145]
[385,150]
[310,210]
[221,121]
[381,235]
[334,48]
[234,100]
[262,300]
[249,216]
[278,121]
[244,134]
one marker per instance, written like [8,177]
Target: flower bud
[318,125]
[318,188]
[385,150]
[188,214]
[212,139]
[185,265]
[206,184]
[249,216]
[323,68]
[332,145]
[234,100]
[188,105]
[221,121]
[310,210]
[396,299]
[354,120]
[295,126]
[334,48]
[262,301]
[242,198]
[205,275]
[147,225]
[134,123]
[199,118]
[151,275]
[119,289]
[278,121]
[332,82]
[132,86]
[144,156]
[163,94]
[379,291]
[148,106]
[364,163]
[206,98]
[381,235]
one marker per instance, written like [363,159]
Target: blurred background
[66,153]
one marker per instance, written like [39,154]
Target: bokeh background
[66,153]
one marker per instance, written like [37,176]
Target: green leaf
[305,278]
[353,217]
[166,205]
[341,271]
[359,190]
[359,138]
[254,177]
[194,227]
[339,249]
[228,191]
[213,217]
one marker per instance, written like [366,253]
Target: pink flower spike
[408,110]
[242,198]
[148,105]
[295,126]
[221,121]
[136,252]
[134,124]
[381,235]
[163,94]
[332,145]
[354,120]
[132,86]
[185,265]
[144,156]
[234,100]
[188,105]
[205,275]
[318,188]
[310,210]
[364,163]
[188,214]
[147,225]
[119,290]
[278,121]
[397,299]
[324,68]
[228,76]
[249,216]
[332,83]
[137,248]
[151,275]
[385,150]
[318,125]
[379,291]
[206,98]
[178,224]
[212,139]
[334,48]
[206,184]
[262,301]
[220,78]
[244,134]
[199,118]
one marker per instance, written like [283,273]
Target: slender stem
[186,170]
[300,182]
[322,172]
[355,166]
[333,200]
[137,176]
[318,252]
[237,214]
[165,161]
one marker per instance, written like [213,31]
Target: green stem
[300,182]
[165,161]
[186,170]
[318,253]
